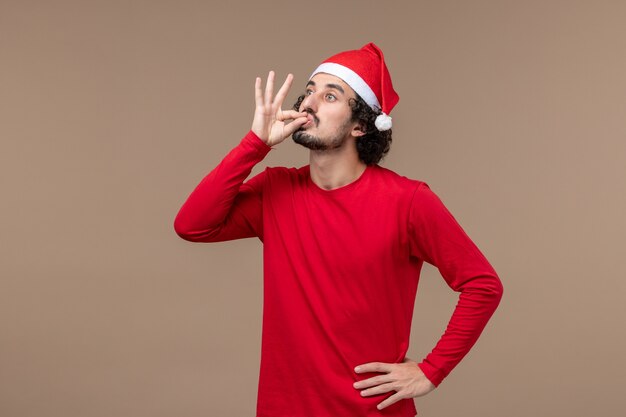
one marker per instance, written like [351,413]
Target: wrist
[434,375]
[257,139]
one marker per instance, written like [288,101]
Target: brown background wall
[112,111]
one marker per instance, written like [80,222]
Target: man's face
[327,103]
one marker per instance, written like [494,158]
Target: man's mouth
[310,121]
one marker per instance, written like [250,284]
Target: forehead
[321,79]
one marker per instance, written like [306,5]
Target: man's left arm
[437,238]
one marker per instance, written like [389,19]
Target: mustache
[309,111]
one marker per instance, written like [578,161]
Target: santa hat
[365,71]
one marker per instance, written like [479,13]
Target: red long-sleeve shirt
[341,269]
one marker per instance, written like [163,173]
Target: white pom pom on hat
[365,71]
[383,122]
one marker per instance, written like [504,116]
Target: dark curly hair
[374,144]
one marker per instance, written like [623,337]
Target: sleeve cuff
[435,375]
[258,143]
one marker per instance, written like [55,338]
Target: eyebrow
[335,86]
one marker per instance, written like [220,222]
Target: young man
[344,241]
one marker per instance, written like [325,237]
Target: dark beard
[302,137]
[314,143]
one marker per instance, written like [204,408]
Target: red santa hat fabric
[365,71]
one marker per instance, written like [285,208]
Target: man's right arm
[222,207]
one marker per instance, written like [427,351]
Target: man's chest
[351,234]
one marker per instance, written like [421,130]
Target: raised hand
[269,119]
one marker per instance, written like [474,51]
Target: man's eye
[308,91]
[331,95]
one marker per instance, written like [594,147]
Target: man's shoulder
[394,179]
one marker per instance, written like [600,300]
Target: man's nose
[309,102]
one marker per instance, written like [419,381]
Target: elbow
[492,285]
[489,286]
[498,288]
[495,289]
[182,229]
[195,233]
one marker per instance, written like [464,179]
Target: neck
[335,168]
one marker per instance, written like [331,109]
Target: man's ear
[358,130]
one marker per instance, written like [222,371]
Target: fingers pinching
[271,122]
[290,114]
